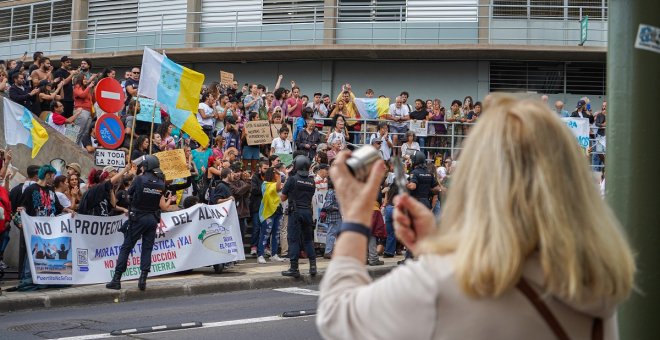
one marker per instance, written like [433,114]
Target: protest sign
[148,110]
[580,129]
[84,249]
[173,164]
[258,132]
[72,132]
[419,127]
[105,157]
[226,78]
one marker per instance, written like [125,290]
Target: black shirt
[300,191]
[424,181]
[221,191]
[67,90]
[255,193]
[419,115]
[41,201]
[96,200]
[133,83]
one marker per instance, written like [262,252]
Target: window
[510,9]
[113,16]
[292,11]
[372,10]
[48,19]
[549,9]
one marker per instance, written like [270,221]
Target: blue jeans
[270,228]
[256,229]
[331,237]
[436,208]
[390,243]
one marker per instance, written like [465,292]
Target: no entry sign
[109,131]
[110,96]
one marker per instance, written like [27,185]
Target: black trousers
[301,224]
[143,227]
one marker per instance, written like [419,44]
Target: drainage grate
[53,326]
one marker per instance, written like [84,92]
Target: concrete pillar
[79,26]
[330,13]
[632,163]
[327,77]
[484,21]
[193,23]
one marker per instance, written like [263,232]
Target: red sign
[109,95]
[109,131]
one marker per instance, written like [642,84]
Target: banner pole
[130,146]
[151,135]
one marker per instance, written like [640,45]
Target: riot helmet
[301,165]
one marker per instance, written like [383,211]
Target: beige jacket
[422,300]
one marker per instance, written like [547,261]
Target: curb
[75,297]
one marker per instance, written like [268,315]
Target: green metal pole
[633,153]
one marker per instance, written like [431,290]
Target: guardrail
[304,25]
[450,143]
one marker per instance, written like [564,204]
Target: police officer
[147,200]
[299,190]
[421,183]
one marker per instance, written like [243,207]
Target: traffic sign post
[109,95]
[109,131]
[584,24]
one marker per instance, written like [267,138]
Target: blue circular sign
[109,131]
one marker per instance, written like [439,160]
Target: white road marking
[205,325]
[299,291]
[110,95]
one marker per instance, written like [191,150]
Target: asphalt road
[253,314]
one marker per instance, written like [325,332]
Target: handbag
[597,332]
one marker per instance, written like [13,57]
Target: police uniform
[299,190]
[145,192]
[424,182]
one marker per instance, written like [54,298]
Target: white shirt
[207,111]
[442,172]
[281,146]
[384,148]
[405,148]
[320,111]
[64,201]
[400,112]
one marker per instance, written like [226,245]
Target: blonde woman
[479,270]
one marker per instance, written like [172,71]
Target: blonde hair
[529,189]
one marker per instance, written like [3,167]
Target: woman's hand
[356,199]
[413,221]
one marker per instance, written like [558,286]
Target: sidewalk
[244,276]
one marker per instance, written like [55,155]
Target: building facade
[445,49]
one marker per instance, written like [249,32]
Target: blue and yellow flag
[22,128]
[270,200]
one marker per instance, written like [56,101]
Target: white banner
[580,129]
[84,249]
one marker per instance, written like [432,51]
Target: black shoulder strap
[597,332]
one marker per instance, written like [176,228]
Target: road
[253,314]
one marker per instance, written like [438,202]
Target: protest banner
[84,249]
[275,131]
[258,132]
[71,132]
[419,127]
[173,164]
[580,129]
[226,78]
[105,157]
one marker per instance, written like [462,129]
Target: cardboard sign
[419,127]
[275,131]
[173,164]
[105,157]
[258,132]
[71,132]
[226,78]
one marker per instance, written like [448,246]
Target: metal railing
[429,25]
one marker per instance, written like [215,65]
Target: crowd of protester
[313,125]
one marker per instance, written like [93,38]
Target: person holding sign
[147,200]
[250,152]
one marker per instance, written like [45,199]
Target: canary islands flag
[176,88]
[270,201]
[22,128]
[372,108]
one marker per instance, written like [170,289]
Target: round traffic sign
[109,131]
[109,95]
